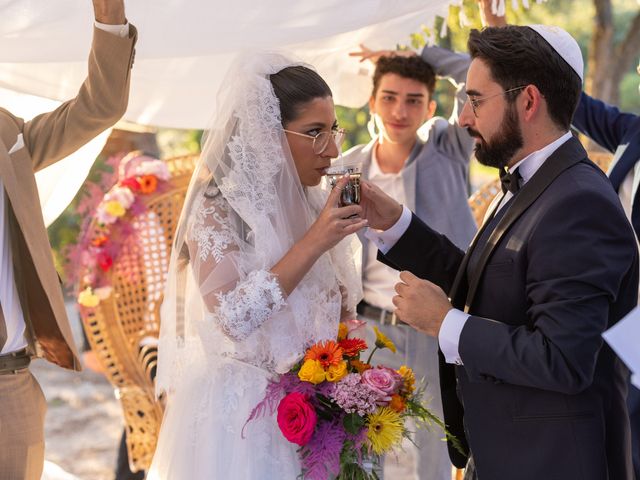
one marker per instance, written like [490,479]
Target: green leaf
[353,423]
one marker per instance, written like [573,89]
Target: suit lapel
[567,155]
[462,270]
[27,225]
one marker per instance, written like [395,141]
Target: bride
[261,269]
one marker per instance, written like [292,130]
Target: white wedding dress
[227,328]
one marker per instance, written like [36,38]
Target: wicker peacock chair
[122,328]
[480,200]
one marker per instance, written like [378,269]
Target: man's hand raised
[374,55]
[110,12]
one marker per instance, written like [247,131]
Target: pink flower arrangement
[139,175]
[342,412]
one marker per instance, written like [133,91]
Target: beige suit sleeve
[101,102]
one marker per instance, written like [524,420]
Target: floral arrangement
[139,175]
[342,412]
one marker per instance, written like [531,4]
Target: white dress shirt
[379,280]
[454,321]
[9,299]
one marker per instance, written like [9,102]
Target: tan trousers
[22,411]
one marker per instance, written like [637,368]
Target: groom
[527,383]
[33,322]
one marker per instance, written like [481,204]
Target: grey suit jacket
[435,175]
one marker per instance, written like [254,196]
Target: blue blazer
[539,395]
[619,133]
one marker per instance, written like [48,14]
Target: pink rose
[353,325]
[297,418]
[382,380]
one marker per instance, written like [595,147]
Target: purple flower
[320,457]
[352,395]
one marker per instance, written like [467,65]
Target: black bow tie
[510,180]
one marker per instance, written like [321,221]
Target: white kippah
[564,44]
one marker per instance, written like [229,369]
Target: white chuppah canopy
[183,51]
[184,47]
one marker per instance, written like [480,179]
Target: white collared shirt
[121,31]
[379,280]
[454,321]
[9,299]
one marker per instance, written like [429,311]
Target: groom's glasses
[477,101]
[321,140]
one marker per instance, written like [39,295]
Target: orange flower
[351,347]
[409,379]
[327,353]
[360,366]
[99,241]
[148,183]
[397,403]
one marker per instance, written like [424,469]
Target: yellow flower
[343,331]
[385,430]
[409,379]
[114,208]
[312,372]
[337,372]
[87,298]
[382,341]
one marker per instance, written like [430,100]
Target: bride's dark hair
[295,86]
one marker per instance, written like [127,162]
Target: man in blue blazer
[619,133]
[528,386]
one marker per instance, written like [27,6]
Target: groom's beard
[502,147]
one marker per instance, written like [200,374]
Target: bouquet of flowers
[344,413]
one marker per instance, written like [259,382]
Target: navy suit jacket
[539,395]
[619,133]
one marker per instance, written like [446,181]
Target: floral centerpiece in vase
[345,413]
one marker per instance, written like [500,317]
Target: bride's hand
[378,208]
[333,223]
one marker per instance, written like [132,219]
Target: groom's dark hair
[295,86]
[518,55]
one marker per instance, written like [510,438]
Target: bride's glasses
[321,140]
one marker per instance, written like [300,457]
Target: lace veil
[244,209]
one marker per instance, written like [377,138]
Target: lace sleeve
[239,303]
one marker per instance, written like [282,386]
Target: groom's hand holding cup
[378,208]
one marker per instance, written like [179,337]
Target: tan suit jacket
[101,102]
